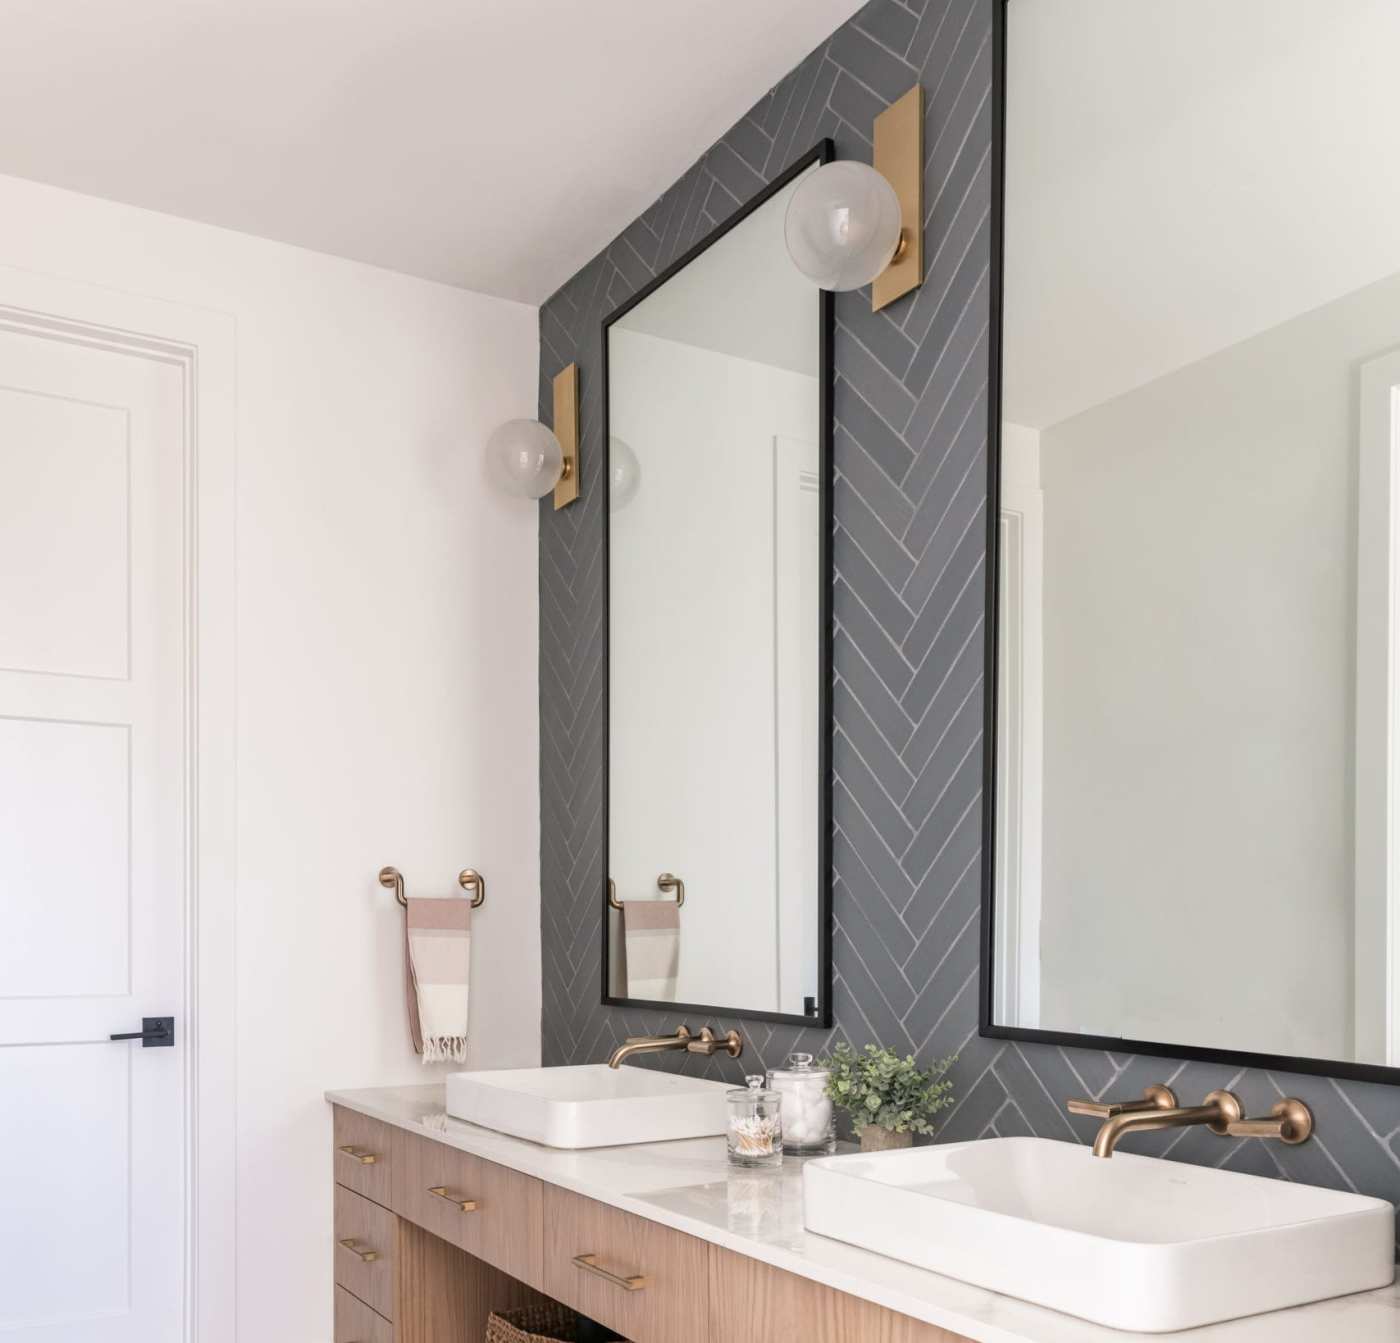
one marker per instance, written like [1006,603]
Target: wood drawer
[674,1304]
[754,1300]
[503,1226]
[355,1322]
[363,1149]
[366,1237]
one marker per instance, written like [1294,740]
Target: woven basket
[532,1324]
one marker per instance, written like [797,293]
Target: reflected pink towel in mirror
[651,939]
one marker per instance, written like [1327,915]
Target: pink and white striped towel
[438,937]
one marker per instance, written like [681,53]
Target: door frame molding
[202,344]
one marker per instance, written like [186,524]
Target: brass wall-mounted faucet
[707,1043]
[1289,1121]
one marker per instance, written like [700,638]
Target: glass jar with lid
[809,1120]
[755,1125]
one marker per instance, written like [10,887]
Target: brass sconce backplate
[566,431]
[899,158]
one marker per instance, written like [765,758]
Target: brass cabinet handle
[359,1154]
[589,1263]
[456,1200]
[364,1256]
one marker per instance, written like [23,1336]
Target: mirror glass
[1196,792]
[717,631]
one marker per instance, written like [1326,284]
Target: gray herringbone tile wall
[910,453]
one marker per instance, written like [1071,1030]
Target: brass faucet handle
[1228,1110]
[1291,1121]
[1155,1097]
[731,1043]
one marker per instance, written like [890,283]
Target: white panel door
[93,841]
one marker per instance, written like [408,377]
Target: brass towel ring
[667,881]
[469,879]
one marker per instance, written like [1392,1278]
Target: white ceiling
[1183,174]
[493,144]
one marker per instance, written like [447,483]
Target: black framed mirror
[1190,798]
[717,629]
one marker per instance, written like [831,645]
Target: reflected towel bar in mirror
[469,879]
[667,881]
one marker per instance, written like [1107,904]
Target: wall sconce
[528,459]
[850,225]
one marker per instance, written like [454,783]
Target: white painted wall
[1200,634]
[694,699]
[387,692]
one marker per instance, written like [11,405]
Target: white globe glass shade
[524,458]
[624,474]
[842,225]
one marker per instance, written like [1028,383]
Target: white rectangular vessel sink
[1132,1242]
[589,1106]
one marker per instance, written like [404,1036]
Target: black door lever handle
[155,1033]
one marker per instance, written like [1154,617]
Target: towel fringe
[445,1049]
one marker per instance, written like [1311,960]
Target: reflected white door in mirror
[718,630]
[1377,863]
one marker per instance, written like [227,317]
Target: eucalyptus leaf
[876,1086]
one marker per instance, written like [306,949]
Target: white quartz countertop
[691,1187]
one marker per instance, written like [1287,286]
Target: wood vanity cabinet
[355,1322]
[752,1300]
[366,1239]
[672,1303]
[363,1155]
[421,1267]
[489,1211]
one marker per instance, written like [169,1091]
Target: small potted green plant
[888,1098]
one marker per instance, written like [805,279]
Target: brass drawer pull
[456,1200]
[589,1262]
[364,1256]
[359,1154]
